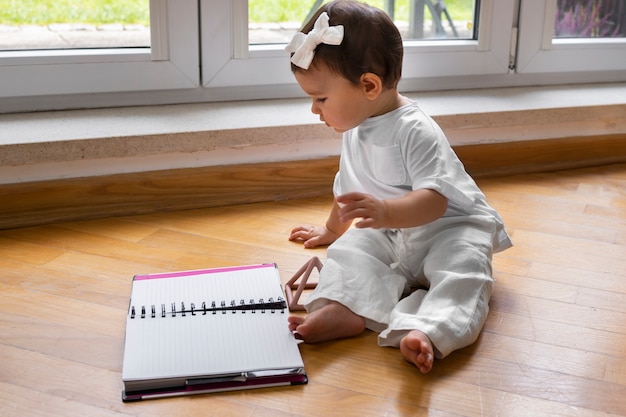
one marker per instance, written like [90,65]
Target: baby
[416,264]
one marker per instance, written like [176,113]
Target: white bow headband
[303,46]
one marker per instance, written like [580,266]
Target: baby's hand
[312,236]
[371,211]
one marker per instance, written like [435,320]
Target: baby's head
[371,43]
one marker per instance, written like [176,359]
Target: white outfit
[371,271]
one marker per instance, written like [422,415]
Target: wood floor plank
[27,252]
[63,341]
[537,355]
[605,300]
[552,215]
[62,310]
[117,228]
[60,278]
[585,279]
[548,385]
[540,309]
[574,336]
[529,246]
[24,401]
[96,388]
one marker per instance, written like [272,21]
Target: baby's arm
[313,236]
[416,208]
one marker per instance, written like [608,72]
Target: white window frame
[242,72]
[592,59]
[171,63]
[200,53]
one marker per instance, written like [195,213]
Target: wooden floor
[554,343]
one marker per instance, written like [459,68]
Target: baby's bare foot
[332,321]
[417,349]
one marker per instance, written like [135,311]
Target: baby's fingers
[301,233]
[300,228]
[314,242]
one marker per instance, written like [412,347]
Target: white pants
[448,261]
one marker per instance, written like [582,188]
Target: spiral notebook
[208,330]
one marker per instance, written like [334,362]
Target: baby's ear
[372,85]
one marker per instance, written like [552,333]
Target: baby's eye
[320,100]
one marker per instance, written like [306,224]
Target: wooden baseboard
[180,189]
[542,155]
[54,201]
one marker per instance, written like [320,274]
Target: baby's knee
[357,241]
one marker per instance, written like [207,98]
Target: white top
[403,150]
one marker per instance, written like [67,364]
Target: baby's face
[341,104]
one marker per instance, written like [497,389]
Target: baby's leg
[417,349]
[332,321]
[357,276]
[453,310]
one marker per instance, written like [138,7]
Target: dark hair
[371,43]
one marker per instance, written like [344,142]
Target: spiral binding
[223,307]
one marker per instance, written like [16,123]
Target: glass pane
[69,24]
[276,21]
[590,19]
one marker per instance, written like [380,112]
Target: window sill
[82,143]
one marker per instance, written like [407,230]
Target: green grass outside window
[44,12]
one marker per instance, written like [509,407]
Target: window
[212,50]
[562,39]
[590,19]
[74,24]
[251,69]
[419,19]
[40,79]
